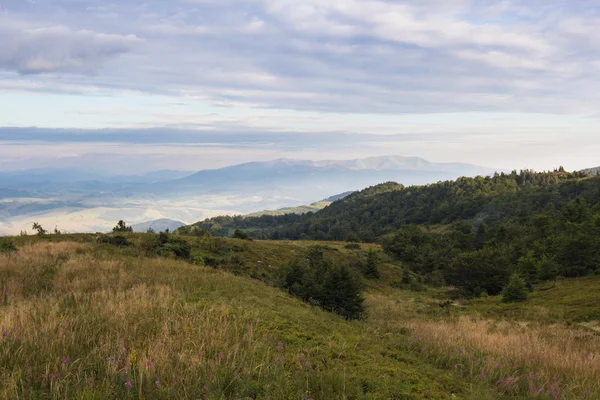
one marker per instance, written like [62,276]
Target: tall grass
[519,359]
[80,321]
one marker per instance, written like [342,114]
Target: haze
[137,86]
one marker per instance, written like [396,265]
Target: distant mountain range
[82,201]
[592,171]
[159,225]
[313,207]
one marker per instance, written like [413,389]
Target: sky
[136,85]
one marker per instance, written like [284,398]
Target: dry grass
[75,326]
[519,358]
[87,322]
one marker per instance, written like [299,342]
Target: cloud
[332,56]
[59,49]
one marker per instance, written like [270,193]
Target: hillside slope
[89,321]
[81,318]
[383,209]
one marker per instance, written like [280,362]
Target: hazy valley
[81,201]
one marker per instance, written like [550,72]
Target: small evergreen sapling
[516,290]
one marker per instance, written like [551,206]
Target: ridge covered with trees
[473,233]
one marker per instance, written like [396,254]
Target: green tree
[528,269]
[371,265]
[485,270]
[238,234]
[122,227]
[548,269]
[342,293]
[37,227]
[515,291]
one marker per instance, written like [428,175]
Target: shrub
[117,240]
[164,244]
[515,291]
[238,234]
[436,279]
[473,272]
[352,246]
[7,246]
[316,281]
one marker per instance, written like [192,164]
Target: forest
[472,233]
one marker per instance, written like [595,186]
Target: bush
[473,272]
[165,245]
[352,246]
[316,281]
[117,240]
[515,291]
[436,279]
[240,235]
[7,246]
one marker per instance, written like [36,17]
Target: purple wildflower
[482,375]
[66,360]
[221,356]
[157,383]
[128,385]
[149,364]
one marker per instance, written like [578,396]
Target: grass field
[89,321]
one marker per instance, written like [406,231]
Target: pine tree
[341,293]
[371,266]
[515,291]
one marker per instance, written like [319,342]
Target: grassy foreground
[88,321]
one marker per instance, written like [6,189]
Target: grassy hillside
[314,207]
[89,320]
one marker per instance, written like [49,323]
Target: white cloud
[58,49]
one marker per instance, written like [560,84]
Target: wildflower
[200,356]
[482,375]
[54,376]
[282,358]
[532,390]
[149,364]
[554,395]
[280,345]
[455,366]
[132,357]
[128,385]
[221,356]
[157,383]
[66,360]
